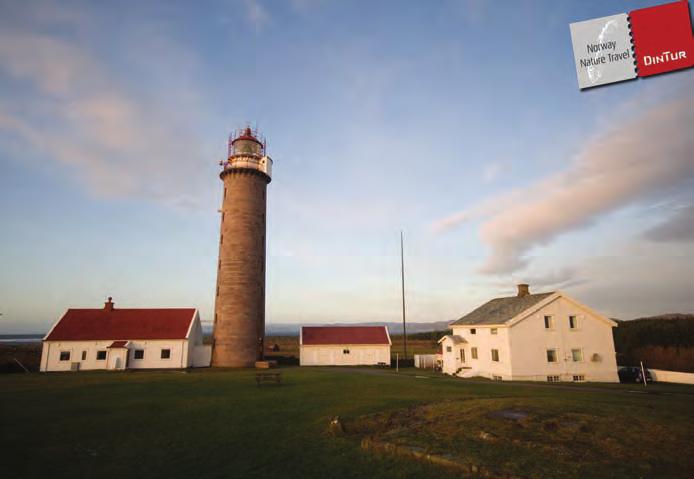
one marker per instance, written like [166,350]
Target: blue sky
[459,122]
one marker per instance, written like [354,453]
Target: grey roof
[455,338]
[501,310]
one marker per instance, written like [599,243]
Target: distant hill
[665,341]
[278,329]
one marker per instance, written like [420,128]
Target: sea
[20,338]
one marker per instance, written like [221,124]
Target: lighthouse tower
[239,318]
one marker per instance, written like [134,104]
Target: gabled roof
[335,335]
[501,310]
[122,324]
[453,337]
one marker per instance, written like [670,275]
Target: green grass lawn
[218,423]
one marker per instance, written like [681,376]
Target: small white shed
[344,346]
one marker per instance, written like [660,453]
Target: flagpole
[402,277]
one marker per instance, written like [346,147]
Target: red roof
[117,345]
[344,335]
[122,324]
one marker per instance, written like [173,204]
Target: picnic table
[261,378]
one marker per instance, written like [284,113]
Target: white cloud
[678,227]
[491,172]
[75,113]
[640,157]
[257,14]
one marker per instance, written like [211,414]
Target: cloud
[492,171]
[257,14]
[558,278]
[646,155]
[72,111]
[679,227]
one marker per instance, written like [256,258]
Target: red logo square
[663,39]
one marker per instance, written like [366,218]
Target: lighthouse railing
[263,163]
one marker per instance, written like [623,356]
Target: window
[573,323]
[549,322]
[551,355]
[473,331]
[462,355]
[495,355]
[84,355]
[552,379]
[449,349]
[494,331]
[577,355]
[579,377]
[345,351]
[474,353]
[165,353]
[100,355]
[64,355]
[496,378]
[139,354]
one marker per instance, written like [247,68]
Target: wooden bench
[261,378]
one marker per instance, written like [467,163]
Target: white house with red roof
[344,346]
[125,338]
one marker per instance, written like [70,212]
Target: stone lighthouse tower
[239,318]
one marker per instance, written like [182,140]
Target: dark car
[633,374]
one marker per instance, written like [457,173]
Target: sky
[458,122]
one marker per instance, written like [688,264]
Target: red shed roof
[344,335]
[118,345]
[115,324]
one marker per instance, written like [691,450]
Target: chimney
[108,305]
[523,289]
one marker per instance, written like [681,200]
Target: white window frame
[575,322]
[553,378]
[579,378]
[473,352]
[60,356]
[494,331]
[449,349]
[101,351]
[473,330]
[161,354]
[497,360]
[556,356]
[550,322]
[462,355]
[135,351]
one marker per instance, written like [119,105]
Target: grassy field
[218,423]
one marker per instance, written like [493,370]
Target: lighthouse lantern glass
[248,147]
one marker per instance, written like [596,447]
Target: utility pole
[402,277]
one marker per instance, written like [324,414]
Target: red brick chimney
[108,305]
[523,289]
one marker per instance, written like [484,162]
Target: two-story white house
[532,337]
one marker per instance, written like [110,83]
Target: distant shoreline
[20,338]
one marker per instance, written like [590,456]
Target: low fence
[425,361]
[663,376]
